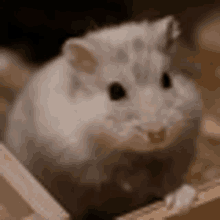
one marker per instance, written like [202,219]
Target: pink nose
[155,137]
[156,133]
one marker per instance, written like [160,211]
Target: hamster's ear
[168,31]
[80,54]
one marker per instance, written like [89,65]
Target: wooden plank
[29,188]
[33,217]
[207,193]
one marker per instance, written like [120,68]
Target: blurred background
[32,33]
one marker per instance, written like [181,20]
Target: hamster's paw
[181,199]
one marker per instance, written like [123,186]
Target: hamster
[109,123]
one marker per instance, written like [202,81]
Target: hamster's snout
[155,137]
[154,132]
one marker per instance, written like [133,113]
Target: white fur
[65,119]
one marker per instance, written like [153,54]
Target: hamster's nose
[155,137]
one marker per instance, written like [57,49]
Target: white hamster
[108,109]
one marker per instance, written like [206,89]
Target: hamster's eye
[166,81]
[116,91]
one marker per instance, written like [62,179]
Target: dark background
[38,28]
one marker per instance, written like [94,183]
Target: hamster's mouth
[155,137]
[127,130]
[149,135]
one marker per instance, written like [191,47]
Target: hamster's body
[107,110]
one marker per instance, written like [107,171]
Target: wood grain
[28,188]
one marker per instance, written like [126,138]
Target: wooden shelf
[32,200]
[205,206]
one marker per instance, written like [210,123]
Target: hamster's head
[130,66]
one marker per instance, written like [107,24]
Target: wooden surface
[207,204]
[20,185]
